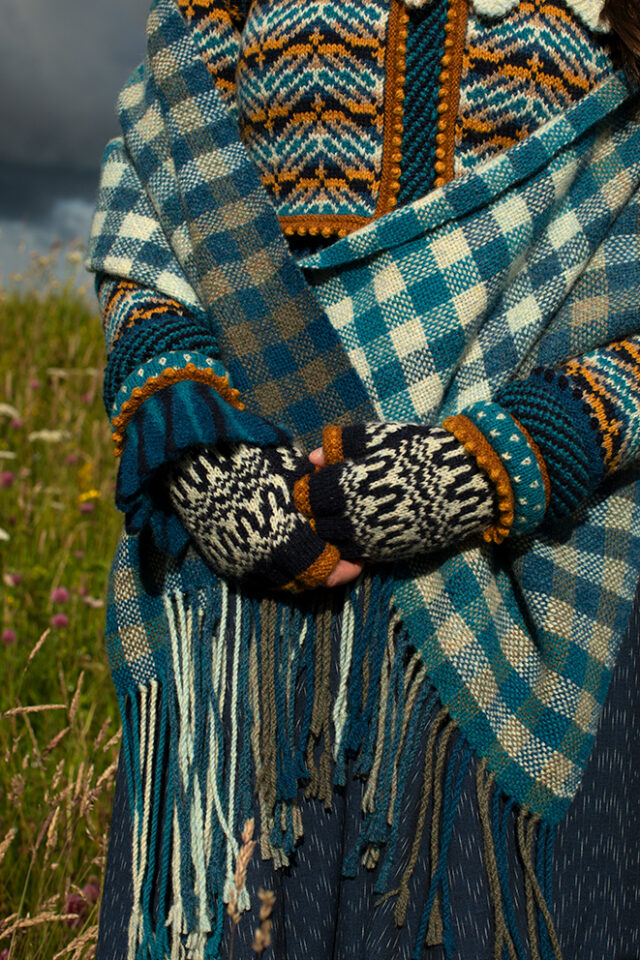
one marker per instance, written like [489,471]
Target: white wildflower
[49,436]
[6,410]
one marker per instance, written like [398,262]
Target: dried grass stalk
[6,842]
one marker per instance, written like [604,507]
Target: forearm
[568,427]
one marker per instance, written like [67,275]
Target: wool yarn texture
[238,508]
[415,316]
[401,490]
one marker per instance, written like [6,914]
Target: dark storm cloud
[61,65]
[27,193]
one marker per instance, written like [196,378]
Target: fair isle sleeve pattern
[215,26]
[142,328]
[520,67]
[166,391]
[567,428]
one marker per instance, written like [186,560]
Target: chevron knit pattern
[215,30]
[403,490]
[290,113]
[519,72]
[608,384]
[236,503]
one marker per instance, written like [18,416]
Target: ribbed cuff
[184,414]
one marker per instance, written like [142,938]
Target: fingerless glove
[395,490]
[236,503]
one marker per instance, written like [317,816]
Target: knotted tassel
[499,824]
[340,707]
[544,860]
[502,935]
[402,902]
[416,719]
[320,783]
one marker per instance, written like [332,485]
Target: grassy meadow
[59,727]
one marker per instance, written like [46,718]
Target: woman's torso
[351,107]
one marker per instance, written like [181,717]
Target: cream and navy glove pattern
[391,491]
[236,504]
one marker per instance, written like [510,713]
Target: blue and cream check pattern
[213,210]
[532,258]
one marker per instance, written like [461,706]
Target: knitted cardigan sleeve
[549,441]
[165,391]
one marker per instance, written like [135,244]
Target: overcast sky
[62,63]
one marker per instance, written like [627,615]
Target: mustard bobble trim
[449,95]
[475,443]
[165,379]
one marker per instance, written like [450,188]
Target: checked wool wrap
[531,258]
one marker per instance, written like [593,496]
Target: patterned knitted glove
[236,503]
[393,490]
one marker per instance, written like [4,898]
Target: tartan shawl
[532,258]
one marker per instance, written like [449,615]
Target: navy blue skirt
[321,915]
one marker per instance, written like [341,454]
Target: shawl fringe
[222,725]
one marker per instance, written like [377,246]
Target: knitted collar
[501,269]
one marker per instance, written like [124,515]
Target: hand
[236,503]
[344,572]
[391,491]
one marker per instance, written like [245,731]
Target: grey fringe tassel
[217,734]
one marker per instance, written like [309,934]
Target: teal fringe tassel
[221,728]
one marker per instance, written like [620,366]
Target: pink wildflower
[79,554]
[72,459]
[9,637]
[16,424]
[59,620]
[86,398]
[60,595]
[78,905]
[4,955]
[6,478]
[86,506]
[91,891]
[35,384]
[15,579]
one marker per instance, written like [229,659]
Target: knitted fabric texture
[382,80]
[561,444]
[288,142]
[238,508]
[520,70]
[433,307]
[403,490]
[513,446]
[425,49]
